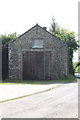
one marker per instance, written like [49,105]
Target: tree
[68,38]
[54,26]
[7,38]
[77,67]
[4,39]
[78,64]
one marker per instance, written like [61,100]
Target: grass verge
[70,78]
[30,94]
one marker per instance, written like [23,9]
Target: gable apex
[43,28]
[37,25]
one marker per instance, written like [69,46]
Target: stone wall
[50,43]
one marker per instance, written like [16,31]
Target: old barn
[37,55]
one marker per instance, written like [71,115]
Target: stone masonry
[25,43]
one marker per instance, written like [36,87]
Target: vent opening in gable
[37,43]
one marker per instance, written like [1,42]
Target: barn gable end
[37,54]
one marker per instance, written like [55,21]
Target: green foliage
[69,38]
[54,26]
[7,38]
[4,39]
[76,66]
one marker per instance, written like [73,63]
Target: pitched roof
[41,28]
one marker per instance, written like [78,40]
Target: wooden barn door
[47,63]
[36,65]
[33,66]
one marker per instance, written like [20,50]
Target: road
[60,102]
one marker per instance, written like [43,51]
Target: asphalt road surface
[60,102]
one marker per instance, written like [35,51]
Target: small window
[37,43]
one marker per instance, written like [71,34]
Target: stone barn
[37,55]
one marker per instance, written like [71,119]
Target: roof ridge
[34,27]
[24,33]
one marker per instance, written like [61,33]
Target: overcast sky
[20,15]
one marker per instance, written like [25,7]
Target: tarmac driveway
[60,102]
[14,91]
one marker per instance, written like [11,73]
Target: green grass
[70,78]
